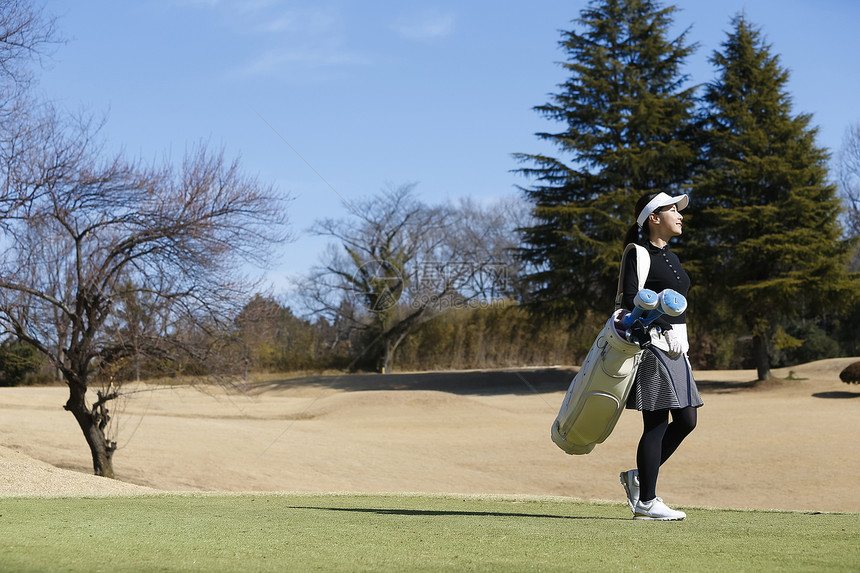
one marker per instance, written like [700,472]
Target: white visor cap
[661,200]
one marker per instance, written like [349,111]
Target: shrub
[851,374]
[17,362]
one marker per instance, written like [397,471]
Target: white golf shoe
[656,510]
[630,481]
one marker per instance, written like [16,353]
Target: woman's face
[667,223]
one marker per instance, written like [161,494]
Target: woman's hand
[676,348]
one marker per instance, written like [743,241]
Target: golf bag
[598,393]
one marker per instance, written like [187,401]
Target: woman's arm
[630,286]
[630,280]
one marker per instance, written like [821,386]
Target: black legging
[659,441]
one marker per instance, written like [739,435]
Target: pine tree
[764,227]
[626,118]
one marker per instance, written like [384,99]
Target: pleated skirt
[663,383]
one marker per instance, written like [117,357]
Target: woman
[664,382]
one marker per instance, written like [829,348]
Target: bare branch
[397,262]
[109,260]
[26,33]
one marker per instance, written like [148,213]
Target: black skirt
[663,383]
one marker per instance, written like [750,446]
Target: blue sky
[378,92]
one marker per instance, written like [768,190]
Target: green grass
[297,532]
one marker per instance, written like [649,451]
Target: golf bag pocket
[598,393]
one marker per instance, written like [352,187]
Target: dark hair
[634,233]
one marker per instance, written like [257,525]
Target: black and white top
[661,382]
[665,272]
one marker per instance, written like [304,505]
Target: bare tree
[140,324]
[25,32]
[87,235]
[396,263]
[26,36]
[848,173]
[491,230]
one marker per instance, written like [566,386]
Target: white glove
[676,348]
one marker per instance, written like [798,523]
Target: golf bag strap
[643,265]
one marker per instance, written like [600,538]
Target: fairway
[299,532]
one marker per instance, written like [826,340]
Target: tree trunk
[92,423]
[390,348]
[386,357]
[762,361]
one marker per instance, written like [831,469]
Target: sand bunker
[785,445]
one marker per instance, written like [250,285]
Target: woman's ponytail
[632,235]
[635,234]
